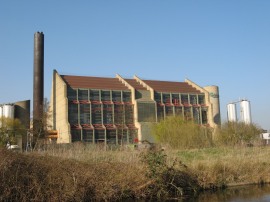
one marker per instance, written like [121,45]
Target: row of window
[98,95]
[100,114]
[125,96]
[110,136]
[123,114]
[197,114]
[179,98]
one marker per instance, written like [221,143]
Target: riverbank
[85,172]
[228,166]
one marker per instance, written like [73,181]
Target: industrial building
[120,110]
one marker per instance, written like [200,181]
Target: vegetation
[238,133]
[169,180]
[182,134]
[41,126]
[228,166]
[87,172]
[10,128]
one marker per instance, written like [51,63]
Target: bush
[182,134]
[168,181]
[9,129]
[238,133]
[33,177]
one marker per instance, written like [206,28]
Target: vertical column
[38,91]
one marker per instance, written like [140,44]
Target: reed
[228,166]
[79,172]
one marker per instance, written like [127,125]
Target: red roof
[171,87]
[135,84]
[115,84]
[94,82]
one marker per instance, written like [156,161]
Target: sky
[211,42]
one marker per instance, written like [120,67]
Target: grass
[79,172]
[41,177]
[228,166]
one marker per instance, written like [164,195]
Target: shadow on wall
[217,119]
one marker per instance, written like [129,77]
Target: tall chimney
[38,91]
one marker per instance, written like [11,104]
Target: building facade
[118,110]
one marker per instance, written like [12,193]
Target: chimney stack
[38,91]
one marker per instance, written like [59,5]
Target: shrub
[182,134]
[238,133]
[35,177]
[9,129]
[168,180]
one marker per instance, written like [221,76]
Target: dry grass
[92,153]
[86,173]
[38,177]
[228,166]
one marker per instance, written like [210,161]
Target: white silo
[245,111]
[8,111]
[1,115]
[231,112]
[1,111]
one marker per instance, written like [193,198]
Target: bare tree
[42,126]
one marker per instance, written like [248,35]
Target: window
[73,113]
[82,94]
[71,93]
[84,113]
[184,99]
[75,135]
[193,99]
[201,99]
[146,112]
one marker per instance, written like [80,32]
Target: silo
[1,111]
[22,112]
[214,100]
[245,111]
[8,111]
[1,115]
[231,112]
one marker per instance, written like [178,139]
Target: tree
[42,125]
[238,133]
[179,133]
[9,129]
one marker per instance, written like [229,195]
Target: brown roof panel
[135,84]
[94,82]
[171,87]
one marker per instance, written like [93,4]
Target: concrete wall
[59,107]
[215,105]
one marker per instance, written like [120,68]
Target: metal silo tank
[8,111]
[1,111]
[22,112]
[1,115]
[231,112]
[245,111]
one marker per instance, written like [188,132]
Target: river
[250,193]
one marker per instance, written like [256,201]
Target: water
[251,193]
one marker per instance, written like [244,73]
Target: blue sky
[211,42]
